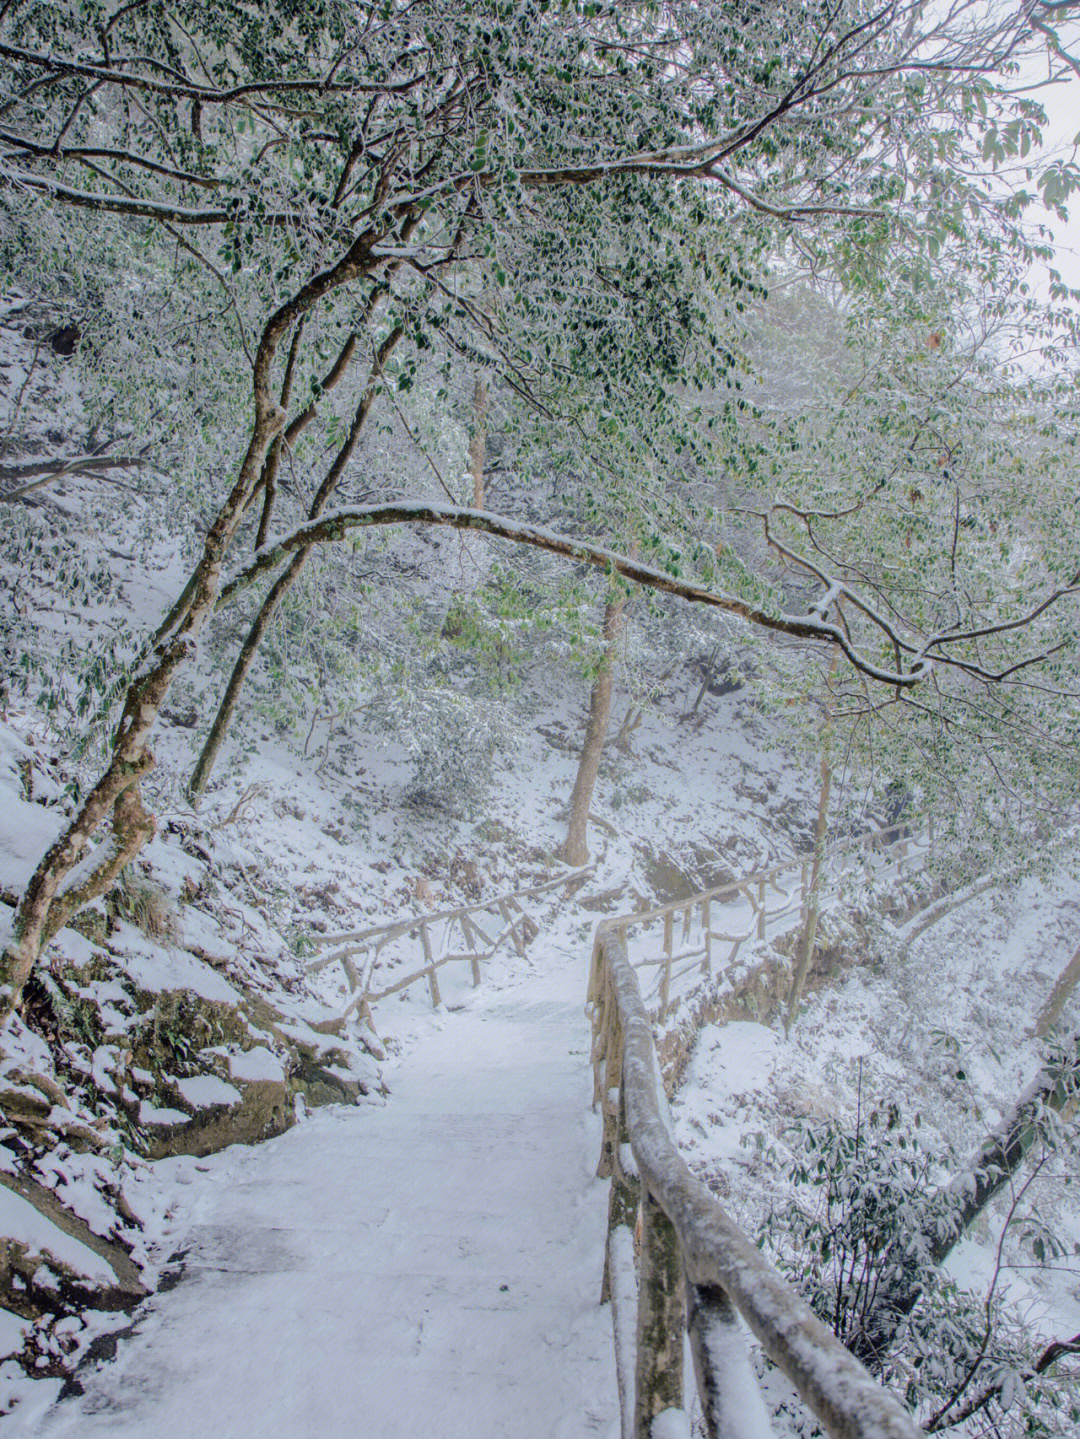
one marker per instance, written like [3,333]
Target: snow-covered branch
[340,523]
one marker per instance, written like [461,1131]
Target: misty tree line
[748,287]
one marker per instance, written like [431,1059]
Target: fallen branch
[42,472]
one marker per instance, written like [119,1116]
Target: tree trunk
[35,921]
[710,670]
[813,895]
[478,443]
[285,581]
[575,849]
[1002,1152]
[244,660]
[631,720]
[1051,1010]
[131,757]
[273,459]
[809,932]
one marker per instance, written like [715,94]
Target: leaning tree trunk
[44,908]
[36,919]
[575,849]
[955,1207]
[284,583]
[1051,1011]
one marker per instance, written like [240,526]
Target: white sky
[1062,105]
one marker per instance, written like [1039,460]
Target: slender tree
[575,848]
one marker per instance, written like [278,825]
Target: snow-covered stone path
[427,1268]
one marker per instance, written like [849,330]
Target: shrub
[856,1230]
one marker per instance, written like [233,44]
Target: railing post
[350,972]
[597,991]
[469,935]
[602,1021]
[761,909]
[612,1084]
[623,1201]
[619,1288]
[731,1401]
[725,1268]
[669,949]
[661,1318]
[433,979]
[508,919]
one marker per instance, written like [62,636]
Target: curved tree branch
[335,526]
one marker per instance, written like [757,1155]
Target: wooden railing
[740,911]
[696,1271]
[433,932]
[676,1265]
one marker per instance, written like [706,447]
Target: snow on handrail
[517,925]
[791,881]
[396,927]
[684,1231]
[873,839]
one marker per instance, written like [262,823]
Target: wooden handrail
[697,1269]
[516,925]
[791,881]
[872,840]
[402,926]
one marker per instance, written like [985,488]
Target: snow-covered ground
[943,1031]
[432,1266]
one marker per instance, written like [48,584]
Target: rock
[52,1262]
[65,340]
[259,1063]
[264,1108]
[603,901]
[81,1137]
[322,1082]
[207,1091]
[41,1082]
[667,879]
[24,1105]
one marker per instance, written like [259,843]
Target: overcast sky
[1062,105]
